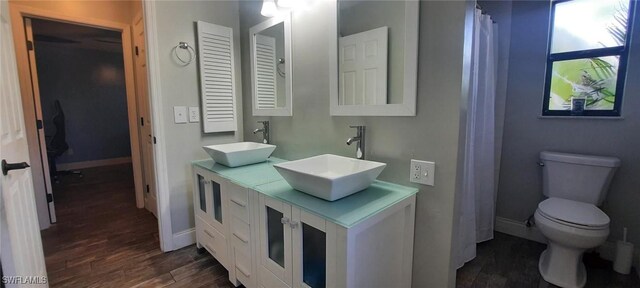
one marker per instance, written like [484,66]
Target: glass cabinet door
[209,198]
[275,236]
[202,199]
[275,239]
[217,201]
[314,256]
[310,249]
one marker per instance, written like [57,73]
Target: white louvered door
[217,77]
[265,72]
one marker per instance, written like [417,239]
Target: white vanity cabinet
[286,260]
[301,249]
[243,236]
[269,235]
[210,214]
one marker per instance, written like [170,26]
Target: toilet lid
[574,212]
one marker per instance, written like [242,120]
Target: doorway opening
[129,25]
[82,69]
[81,100]
[82,109]
[81,106]
[84,91]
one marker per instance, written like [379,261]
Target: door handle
[293,224]
[239,203]
[240,238]
[6,167]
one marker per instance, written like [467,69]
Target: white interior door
[144,111]
[38,108]
[21,246]
[363,67]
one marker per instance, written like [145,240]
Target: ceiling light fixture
[287,4]
[269,8]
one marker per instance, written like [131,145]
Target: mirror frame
[408,105]
[287,110]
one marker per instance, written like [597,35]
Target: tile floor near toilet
[508,261]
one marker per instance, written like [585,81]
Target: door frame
[18,12]
[157,116]
[144,114]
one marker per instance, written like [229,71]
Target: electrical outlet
[194,114]
[415,171]
[180,114]
[422,172]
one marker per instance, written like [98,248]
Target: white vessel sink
[240,153]
[330,177]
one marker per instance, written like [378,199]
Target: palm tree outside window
[587,57]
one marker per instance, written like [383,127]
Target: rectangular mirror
[271,77]
[374,58]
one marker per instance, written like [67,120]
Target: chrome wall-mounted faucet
[360,139]
[265,132]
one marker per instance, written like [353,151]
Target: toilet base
[563,266]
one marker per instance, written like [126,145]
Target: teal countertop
[248,176]
[347,212]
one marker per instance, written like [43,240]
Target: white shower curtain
[478,197]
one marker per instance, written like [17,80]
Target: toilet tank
[583,178]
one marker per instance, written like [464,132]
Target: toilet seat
[573,213]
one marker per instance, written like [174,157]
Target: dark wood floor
[508,261]
[102,240]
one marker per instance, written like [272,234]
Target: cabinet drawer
[268,280]
[243,267]
[239,202]
[212,240]
[241,235]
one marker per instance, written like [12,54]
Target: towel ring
[190,50]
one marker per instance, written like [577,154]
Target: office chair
[57,145]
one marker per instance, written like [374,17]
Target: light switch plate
[194,114]
[180,114]
[422,172]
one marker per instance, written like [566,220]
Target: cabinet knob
[293,224]
[284,220]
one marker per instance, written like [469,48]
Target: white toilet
[569,219]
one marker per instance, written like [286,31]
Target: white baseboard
[517,228]
[93,163]
[184,238]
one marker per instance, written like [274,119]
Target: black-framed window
[587,57]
